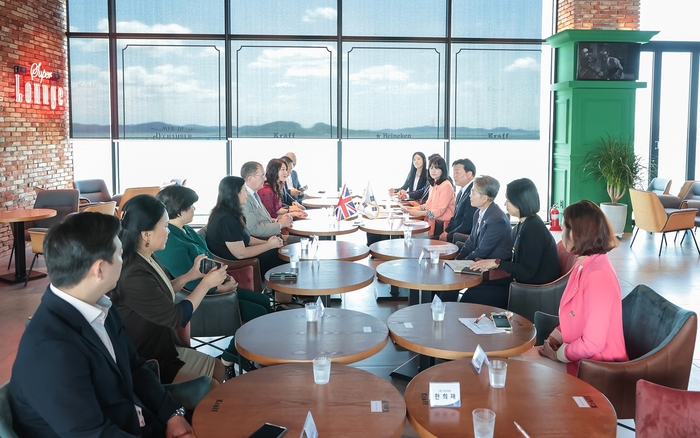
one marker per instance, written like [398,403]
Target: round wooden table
[311,202]
[330,277]
[344,335]
[315,194]
[327,250]
[398,249]
[284,395]
[17,218]
[539,398]
[450,339]
[381,226]
[321,227]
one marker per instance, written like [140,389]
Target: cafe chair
[650,215]
[246,271]
[36,236]
[6,430]
[64,201]
[666,412]
[689,190]
[94,190]
[659,338]
[660,186]
[526,299]
[188,393]
[134,191]
[459,239]
[108,208]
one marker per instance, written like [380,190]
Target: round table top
[539,398]
[344,335]
[396,249]
[311,202]
[410,274]
[26,214]
[327,250]
[381,226]
[314,194]
[330,277]
[450,339]
[321,227]
[284,395]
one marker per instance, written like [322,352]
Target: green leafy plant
[615,162]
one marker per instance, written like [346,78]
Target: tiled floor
[675,275]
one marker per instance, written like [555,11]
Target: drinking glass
[294,262]
[407,235]
[434,257]
[438,311]
[311,312]
[497,373]
[484,422]
[304,244]
[322,370]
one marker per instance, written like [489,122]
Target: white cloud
[138,27]
[386,72]
[524,64]
[295,61]
[323,13]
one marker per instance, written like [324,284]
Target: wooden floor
[675,275]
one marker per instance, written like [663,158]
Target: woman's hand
[548,351]
[402,195]
[194,272]
[275,242]
[392,192]
[285,220]
[229,285]
[483,265]
[215,277]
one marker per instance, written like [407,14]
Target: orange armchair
[650,215]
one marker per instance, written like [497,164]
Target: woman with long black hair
[416,180]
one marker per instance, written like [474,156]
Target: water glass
[407,235]
[434,257]
[497,373]
[311,312]
[391,221]
[322,370]
[304,241]
[484,422]
[438,311]
[294,262]
[406,217]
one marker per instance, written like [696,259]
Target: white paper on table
[483,327]
[309,430]
[448,247]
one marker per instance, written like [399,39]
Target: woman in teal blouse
[184,244]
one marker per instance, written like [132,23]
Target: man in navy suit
[293,184]
[76,372]
[463,172]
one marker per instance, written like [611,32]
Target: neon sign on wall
[35,90]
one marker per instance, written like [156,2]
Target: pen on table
[479,318]
[521,429]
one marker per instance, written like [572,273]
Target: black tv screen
[597,61]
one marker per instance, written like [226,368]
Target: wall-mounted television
[600,61]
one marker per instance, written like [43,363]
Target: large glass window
[87,16]
[394,91]
[424,18]
[497,92]
[172,16]
[92,159]
[497,19]
[288,17]
[284,91]
[89,88]
[171,89]
[642,119]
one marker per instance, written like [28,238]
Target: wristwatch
[498,263]
[180,412]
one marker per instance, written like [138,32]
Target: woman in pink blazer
[590,312]
[441,200]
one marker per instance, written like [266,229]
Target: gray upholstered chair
[94,190]
[660,186]
[660,340]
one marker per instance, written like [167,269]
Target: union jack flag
[346,208]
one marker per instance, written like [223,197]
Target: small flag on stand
[369,207]
[346,208]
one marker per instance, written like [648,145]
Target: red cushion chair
[666,412]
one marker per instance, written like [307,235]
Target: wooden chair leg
[26,280]
[696,242]
[634,237]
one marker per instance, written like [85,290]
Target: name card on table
[309,430]
[444,395]
[479,358]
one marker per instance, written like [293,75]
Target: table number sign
[479,358]
[309,430]
[444,395]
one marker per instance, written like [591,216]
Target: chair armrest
[234,265]
[217,315]
[691,203]
[459,237]
[670,201]
[526,299]
[190,392]
[544,324]
[681,219]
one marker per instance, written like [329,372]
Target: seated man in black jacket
[463,172]
[96,384]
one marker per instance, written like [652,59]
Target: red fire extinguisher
[554,216]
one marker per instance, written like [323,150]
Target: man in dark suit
[293,184]
[463,172]
[76,372]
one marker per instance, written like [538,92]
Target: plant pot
[617,215]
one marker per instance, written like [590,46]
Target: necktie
[257,199]
[459,195]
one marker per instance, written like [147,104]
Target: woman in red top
[271,193]
[590,312]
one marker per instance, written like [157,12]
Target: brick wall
[33,137]
[602,14]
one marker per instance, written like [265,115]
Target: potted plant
[615,162]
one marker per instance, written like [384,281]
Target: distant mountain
[166,131]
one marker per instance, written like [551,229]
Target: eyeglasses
[475,193]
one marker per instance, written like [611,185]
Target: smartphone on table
[206,265]
[501,321]
[268,430]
